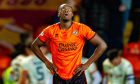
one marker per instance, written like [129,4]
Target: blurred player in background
[92,74]
[117,69]
[28,69]
[34,70]
[17,63]
[31,70]
[22,51]
[25,39]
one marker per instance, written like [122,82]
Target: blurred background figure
[25,40]
[117,70]
[34,70]
[19,55]
[17,63]
[25,67]
[125,8]
[93,76]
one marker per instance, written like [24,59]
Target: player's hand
[80,69]
[51,67]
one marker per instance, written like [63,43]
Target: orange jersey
[66,46]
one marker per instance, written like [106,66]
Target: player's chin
[66,19]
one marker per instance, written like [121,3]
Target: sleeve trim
[92,36]
[41,39]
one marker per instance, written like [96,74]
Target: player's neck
[30,53]
[65,25]
[120,61]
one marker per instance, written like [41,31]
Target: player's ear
[72,14]
[58,14]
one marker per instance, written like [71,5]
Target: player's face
[65,12]
[116,61]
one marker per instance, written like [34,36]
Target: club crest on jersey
[75,32]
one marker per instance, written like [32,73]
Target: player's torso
[64,41]
[38,73]
[117,74]
[66,48]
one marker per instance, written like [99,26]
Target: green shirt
[117,74]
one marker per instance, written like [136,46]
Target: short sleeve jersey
[117,74]
[38,73]
[66,46]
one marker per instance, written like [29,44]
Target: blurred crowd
[116,21]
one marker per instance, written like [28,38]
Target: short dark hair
[24,37]
[113,53]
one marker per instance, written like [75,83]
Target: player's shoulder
[79,24]
[53,26]
[127,66]
[126,62]
[28,60]
[31,60]
[106,62]
[76,23]
[18,59]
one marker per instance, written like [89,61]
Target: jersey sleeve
[44,35]
[129,70]
[129,75]
[87,32]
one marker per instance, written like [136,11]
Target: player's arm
[129,75]
[23,77]
[101,47]
[130,79]
[37,43]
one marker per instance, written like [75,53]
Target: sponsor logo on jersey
[66,47]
